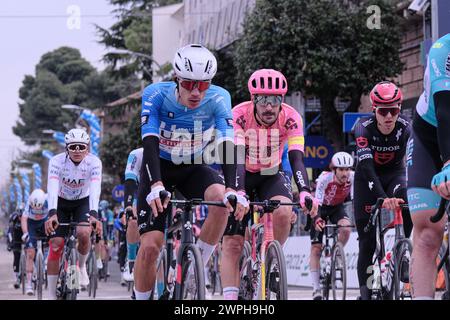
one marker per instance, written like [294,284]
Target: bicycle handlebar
[440,213]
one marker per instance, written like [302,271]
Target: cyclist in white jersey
[333,188]
[73,186]
[132,174]
[32,223]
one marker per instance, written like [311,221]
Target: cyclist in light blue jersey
[186,124]
[32,223]
[428,168]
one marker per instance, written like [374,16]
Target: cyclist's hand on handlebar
[441,182]
[392,203]
[315,204]
[154,200]
[319,224]
[51,224]
[98,225]
[130,212]
[242,205]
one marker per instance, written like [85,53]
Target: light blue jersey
[185,133]
[34,214]
[134,163]
[436,78]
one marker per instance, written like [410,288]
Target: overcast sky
[29,29]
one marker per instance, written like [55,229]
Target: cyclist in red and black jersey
[380,172]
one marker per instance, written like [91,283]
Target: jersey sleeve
[223,116]
[54,169]
[363,150]
[95,185]
[294,129]
[321,184]
[152,100]
[239,125]
[133,167]
[439,60]
[26,212]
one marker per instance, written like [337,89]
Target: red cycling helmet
[267,82]
[385,93]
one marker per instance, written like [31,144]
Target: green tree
[63,76]
[323,47]
[115,148]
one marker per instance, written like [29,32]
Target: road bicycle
[391,269]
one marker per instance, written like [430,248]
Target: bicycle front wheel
[73,279]
[338,272]
[23,271]
[192,275]
[402,256]
[276,277]
[161,276]
[245,273]
[39,274]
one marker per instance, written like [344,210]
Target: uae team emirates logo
[383,157]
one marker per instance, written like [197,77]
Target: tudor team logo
[362,142]
[383,157]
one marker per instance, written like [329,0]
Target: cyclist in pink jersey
[262,127]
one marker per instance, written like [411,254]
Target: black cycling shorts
[334,214]
[260,187]
[191,180]
[71,210]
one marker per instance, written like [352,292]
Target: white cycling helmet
[342,160]
[195,62]
[77,136]
[37,198]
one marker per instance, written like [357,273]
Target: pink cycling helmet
[385,93]
[267,82]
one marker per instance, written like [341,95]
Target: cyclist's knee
[149,251]
[428,241]
[282,215]
[56,248]
[214,192]
[232,247]
[316,250]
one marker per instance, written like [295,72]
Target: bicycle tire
[191,256]
[275,258]
[73,283]
[23,270]
[160,276]
[338,267]
[245,273]
[402,257]
[39,274]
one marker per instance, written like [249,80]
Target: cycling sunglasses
[265,100]
[192,84]
[383,111]
[79,147]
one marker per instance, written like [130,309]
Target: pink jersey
[331,193]
[264,145]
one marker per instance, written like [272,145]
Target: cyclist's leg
[81,214]
[132,240]
[31,246]
[339,217]
[423,162]
[151,237]
[205,182]
[232,245]
[56,247]
[397,188]
[275,187]
[363,200]
[314,261]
